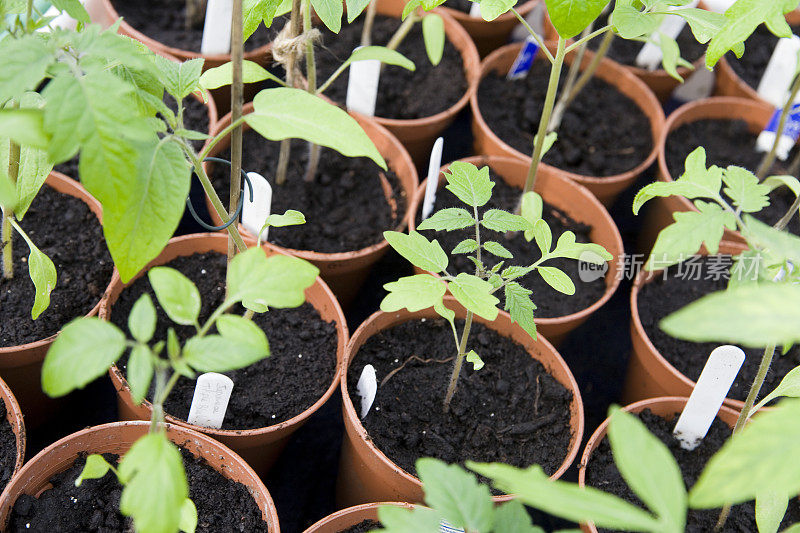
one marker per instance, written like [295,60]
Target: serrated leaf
[497,249]
[473,357]
[466,246]
[449,219]
[25,63]
[220,76]
[514,272]
[460,498]
[475,294]
[95,468]
[520,307]
[498,220]
[140,372]
[176,294]
[470,185]
[142,319]
[570,17]
[434,37]
[743,187]
[704,23]
[557,279]
[414,293]
[425,254]
[180,79]
[781,244]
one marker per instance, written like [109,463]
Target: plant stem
[451,387]
[7,233]
[285,150]
[369,20]
[755,390]
[785,219]
[237,101]
[311,77]
[769,158]
[549,101]
[574,70]
[535,35]
[402,31]
[795,166]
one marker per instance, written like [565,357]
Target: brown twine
[284,48]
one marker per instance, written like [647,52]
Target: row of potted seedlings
[523,374]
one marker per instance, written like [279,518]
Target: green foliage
[257,11]
[42,272]
[220,76]
[422,253]
[570,17]
[426,5]
[142,320]
[789,386]
[330,13]
[95,468]
[491,9]
[475,294]
[177,295]
[434,37]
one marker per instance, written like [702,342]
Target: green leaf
[705,24]
[285,113]
[188,522]
[631,23]
[773,182]
[74,8]
[330,12]
[557,279]
[531,210]
[289,218]
[434,37]
[24,126]
[449,219]
[497,220]
[587,252]
[744,189]
[42,272]
[255,11]
[83,351]
[789,386]
[780,243]
[491,9]
[278,281]
[759,459]
[239,329]
[354,8]
[425,254]
[155,484]
[176,294]
[180,79]
[380,53]
[511,517]
[475,294]
[473,357]
[140,372]
[566,500]
[25,63]
[497,249]
[414,293]
[8,193]
[520,307]
[466,246]
[215,353]
[648,468]
[671,56]
[770,510]
[142,319]
[470,185]
[514,272]
[460,498]
[750,315]
[95,468]
[570,17]
[401,520]
[690,230]
[220,76]
[543,235]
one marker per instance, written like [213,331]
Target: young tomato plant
[476,291]
[155,490]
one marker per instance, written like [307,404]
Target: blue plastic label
[792,127]
[446,527]
[524,61]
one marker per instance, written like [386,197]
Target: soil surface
[65,230]
[296,374]
[402,94]
[603,132]
[729,142]
[8,448]
[363,527]
[511,411]
[346,207]
[460,5]
[758,50]
[601,473]
[550,303]
[624,51]
[222,505]
[686,283]
[165,21]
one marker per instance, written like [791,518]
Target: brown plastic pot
[659,214]
[667,407]
[344,272]
[605,188]
[366,474]
[649,373]
[117,438]
[352,516]
[259,447]
[15,418]
[578,203]
[20,366]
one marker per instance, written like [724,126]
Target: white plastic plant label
[778,76]
[718,6]
[432,184]
[698,85]
[524,61]
[255,213]
[217,28]
[535,20]
[650,55]
[210,401]
[475,10]
[710,391]
[367,388]
[362,87]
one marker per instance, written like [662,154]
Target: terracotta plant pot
[659,214]
[352,516]
[20,366]
[366,474]
[605,188]
[259,447]
[344,272]
[649,373]
[668,407]
[579,204]
[117,438]
[15,418]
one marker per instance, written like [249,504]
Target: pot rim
[17,421]
[354,510]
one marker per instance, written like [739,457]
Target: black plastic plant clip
[237,214]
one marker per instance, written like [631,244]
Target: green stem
[295,24]
[369,20]
[572,76]
[7,233]
[311,77]
[402,31]
[769,158]
[535,35]
[785,219]
[584,40]
[451,387]
[237,101]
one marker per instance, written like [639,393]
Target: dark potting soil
[602,473]
[346,207]
[8,448]
[296,374]
[686,283]
[550,303]
[729,142]
[460,5]
[624,51]
[758,50]
[363,527]
[402,94]
[222,505]
[165,21]
[65,230]
[511,411]
[603,132]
